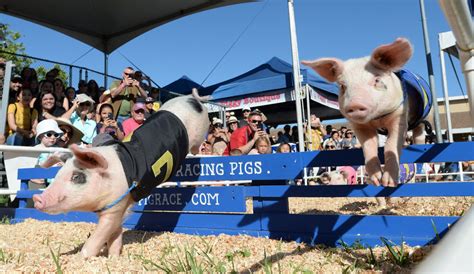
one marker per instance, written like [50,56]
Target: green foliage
[4,199]
[5,220]
[397,255]
[56,260]
[435,230]
[13,45]
[41,72]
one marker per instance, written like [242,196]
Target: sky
[193,45]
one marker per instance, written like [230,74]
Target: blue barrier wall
[214,210]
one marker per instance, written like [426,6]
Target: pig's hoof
[375,179]
[388,180]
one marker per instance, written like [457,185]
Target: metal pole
[445,92]
[460,20]
[106,69]
[439,138]
[6,92]
[296,73]
[70,76]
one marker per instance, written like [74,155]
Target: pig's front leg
[115,242]
[392,150]
[107,226]
[368,139]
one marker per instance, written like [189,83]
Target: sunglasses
[16,81]
[258,122]
[330,147]
[218,125]
[51,134]
[85,104]
[139,111]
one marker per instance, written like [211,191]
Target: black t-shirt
[153,153]
[56,112]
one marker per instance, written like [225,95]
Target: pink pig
[371,98]
[110,178]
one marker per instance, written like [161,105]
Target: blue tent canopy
[183,85]
[275,74]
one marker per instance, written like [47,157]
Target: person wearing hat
[77,114]
[245,115]
[232,124]
[149,102]
[47,134]
[16,83]
[137,119]
[71,134]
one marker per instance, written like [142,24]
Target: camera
[137,75]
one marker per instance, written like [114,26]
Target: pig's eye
[78,178]
[379,84]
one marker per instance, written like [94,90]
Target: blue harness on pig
[151,154]
[417,89]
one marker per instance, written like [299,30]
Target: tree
[10,46]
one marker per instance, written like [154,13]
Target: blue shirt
[88,127]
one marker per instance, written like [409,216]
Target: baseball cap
[149,100]
[17,77]
[82,98]
[46,126]
[246,108]
[138,106]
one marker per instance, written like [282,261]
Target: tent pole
[439,137]
[459,17]
[106,68]
[296,73]
[445,92]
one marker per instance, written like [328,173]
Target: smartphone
[260,126]
[110,116]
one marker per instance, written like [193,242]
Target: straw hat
[76,133]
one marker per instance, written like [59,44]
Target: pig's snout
[356,111]
[39,202]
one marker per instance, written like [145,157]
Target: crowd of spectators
[69,115]
[80,113]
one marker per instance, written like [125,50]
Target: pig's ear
[88,158]
[329,68]
[392,57]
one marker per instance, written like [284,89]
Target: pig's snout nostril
[356,109]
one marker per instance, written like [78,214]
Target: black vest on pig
[153,152]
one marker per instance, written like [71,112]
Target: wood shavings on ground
[40,246]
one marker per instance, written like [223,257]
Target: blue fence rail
[215,210]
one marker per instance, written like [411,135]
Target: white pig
[372,97]
[96,179]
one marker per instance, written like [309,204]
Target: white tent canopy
[106,24]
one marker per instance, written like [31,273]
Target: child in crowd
[262,146]
[47,134]
[22,120]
